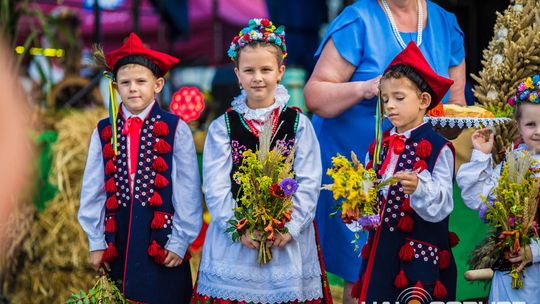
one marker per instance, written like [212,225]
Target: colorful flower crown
[258,30]
[527,91]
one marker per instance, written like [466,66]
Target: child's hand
[408,180]
[524,256]
[281,239]
[250,242]
[482,140]
[96,260]
[172,259]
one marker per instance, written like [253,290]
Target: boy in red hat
[408,253]
[140,198]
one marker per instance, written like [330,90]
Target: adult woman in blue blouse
[342,92]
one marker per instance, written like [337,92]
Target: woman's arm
[457,90]
[329,92]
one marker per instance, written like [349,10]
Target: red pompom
[406,252]
[444,259]
[453,239]
[357,288]
[366,249]
[405,224]
[155,200]
[265,22]
[158,221]
[419,290]
[159,164]
[110,254]
[110,225]
[106,133]
[111,203]
[153,249]
[110,185]
[161,255]
[371,149]
[439,291]
[401,280]
[110,167]
[406,206]
[420,166]
[160,181]
[108,151]
[162,147]
[399,146]
[423,150]
[161,129]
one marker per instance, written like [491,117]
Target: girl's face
[529,126]
[137,86]
[259,74]
[404,106]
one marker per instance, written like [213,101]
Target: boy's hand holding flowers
[408,180]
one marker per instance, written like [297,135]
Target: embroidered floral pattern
[237,150]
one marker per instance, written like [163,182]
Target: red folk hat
[412,56]
[133,51]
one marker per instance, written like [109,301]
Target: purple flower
[289,186]
[482,212]
[521,86]
[369,221]
[512,101]
[512,220]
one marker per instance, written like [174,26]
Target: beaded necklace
[253,129]
[395,30]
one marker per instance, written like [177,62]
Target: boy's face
[259,74]
[137,86]
[404,105]
[529,126]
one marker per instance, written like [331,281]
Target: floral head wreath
[258,30]
[527,91]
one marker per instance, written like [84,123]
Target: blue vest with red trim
[138,224]
[405,250]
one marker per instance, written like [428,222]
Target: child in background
[229,271]
[478,178]
[140,198]
[411,247]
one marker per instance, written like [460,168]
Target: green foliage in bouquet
[267,184]
[103,292]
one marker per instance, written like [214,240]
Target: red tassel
[153,249]
[110,185]
[162,147]
[155,200]
[110,254]
[110,167]
[401,281]
[439,292]
[110,225]
[159,164]
[160,257]
[357,288]
[112,203]
[423,150]
[106,133]
[108,151]
[406,206]
[406,253]
[406,224]
[419,290]
[160,181]
[420,166]
[158,221]
[444,259]
[453,239]
[160,129]
[366,249]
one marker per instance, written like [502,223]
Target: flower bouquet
[104,291]
[512,212]
[356,187]
[267,184]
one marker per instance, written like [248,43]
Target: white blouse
[478,178]
[228,269]
[186,191]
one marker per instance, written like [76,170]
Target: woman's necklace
[395,30]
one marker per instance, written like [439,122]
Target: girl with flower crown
[229,271]
[479,178]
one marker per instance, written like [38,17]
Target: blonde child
[410,247]
[478,178]
[141,202]
[229,271]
